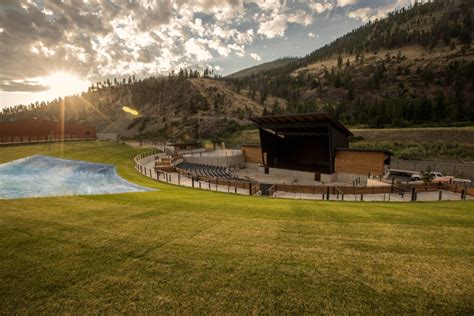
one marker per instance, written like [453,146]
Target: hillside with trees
[414,67]
[185,105]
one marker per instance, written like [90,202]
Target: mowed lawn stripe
[190,251]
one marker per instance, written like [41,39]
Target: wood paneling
[252,154]
[470,191]
[360,162]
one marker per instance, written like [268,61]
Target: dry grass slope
[459,135]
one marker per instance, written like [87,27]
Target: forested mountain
[414,67]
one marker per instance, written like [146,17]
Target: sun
[64,83]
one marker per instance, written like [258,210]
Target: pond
[39,175]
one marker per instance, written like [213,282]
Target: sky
[55,48]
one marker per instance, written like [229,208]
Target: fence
[144,163]
[40,140]
[376,193]
[428,187]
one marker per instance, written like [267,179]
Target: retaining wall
[300,175]
[223,158]
[457,169]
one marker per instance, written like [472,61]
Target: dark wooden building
[305,142]
[41,130]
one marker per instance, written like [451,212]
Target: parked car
[438,176]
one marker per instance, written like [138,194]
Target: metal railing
[144,163]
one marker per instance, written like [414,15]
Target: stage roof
[298,124]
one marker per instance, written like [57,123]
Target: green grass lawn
[189,251]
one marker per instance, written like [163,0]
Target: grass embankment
[245,136]
[422,151]
[190,251]
[456,143]
[442,143]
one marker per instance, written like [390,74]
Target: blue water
[47,176]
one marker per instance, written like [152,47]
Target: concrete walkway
[394,197]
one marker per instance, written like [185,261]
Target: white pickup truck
[435,175]
[438,177]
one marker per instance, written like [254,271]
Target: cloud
[273,27]
[216,68]
[194,48]
[363,14]
[255,56]
[375,10]
[312,35]
[99,39]
[321,7]
[29,86]
[300,17]
[269,4]
[239,50]
[344,3]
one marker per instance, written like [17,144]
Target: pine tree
[350,93]
[339,62]
[439,109]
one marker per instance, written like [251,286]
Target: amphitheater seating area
[206,170]
[164,164]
